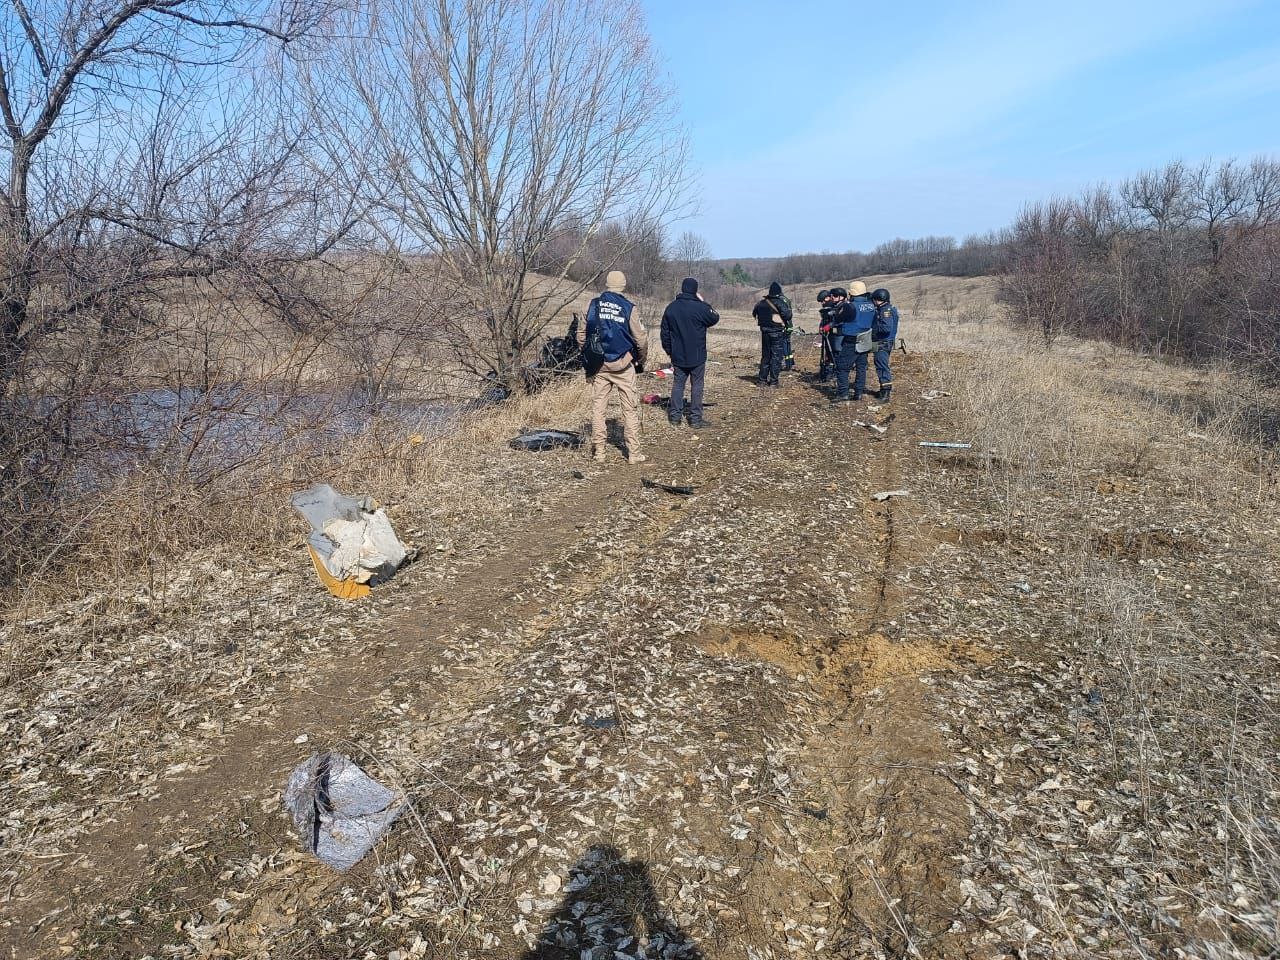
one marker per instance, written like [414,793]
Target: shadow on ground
[610,908]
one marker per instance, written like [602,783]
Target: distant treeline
[975,256]
[1183,260]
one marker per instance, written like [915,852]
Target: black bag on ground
[536,441]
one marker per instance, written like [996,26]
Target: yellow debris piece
[347,589]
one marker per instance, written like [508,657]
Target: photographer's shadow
[610,905]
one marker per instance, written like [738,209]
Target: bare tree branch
[33,37]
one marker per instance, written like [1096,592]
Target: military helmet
[880,295]
[823,294]
[857,289]
[838,292]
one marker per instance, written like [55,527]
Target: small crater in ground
[793,654]
[972,537]
[869,660]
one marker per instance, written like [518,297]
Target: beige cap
[857,289]
[616,281]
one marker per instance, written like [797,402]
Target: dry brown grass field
[1028,709]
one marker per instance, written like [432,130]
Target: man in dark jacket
[684,337]
[826,356]
[884,336]
[773,315]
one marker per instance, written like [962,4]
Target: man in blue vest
[614,349]
[853,319]
[884,336]
[684,336]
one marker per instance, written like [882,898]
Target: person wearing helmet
[853,319]
[826,358]
[884,335]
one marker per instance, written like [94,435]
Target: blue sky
[826,125]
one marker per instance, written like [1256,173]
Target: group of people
[855,327]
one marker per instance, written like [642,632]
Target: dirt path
[648,726]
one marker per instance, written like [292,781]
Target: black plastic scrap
[536,441]
[340,812]
[680,490]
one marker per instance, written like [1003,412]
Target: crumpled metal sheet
[353,538]
[340,812]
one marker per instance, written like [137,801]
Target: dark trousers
[696,377]
[882,354]
[771,343]
[788,354]
[860,374]
[846,357]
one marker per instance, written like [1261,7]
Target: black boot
[885,392]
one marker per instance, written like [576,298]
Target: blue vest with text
[610,314]
[857,316]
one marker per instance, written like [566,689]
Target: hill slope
[994,716]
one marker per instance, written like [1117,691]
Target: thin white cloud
[1255,74]
[933,98]
[943,93]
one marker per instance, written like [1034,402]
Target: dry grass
[1155,485]
[145,531]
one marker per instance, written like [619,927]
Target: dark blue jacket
[886,325]
[684,330]
[610,314]
[854,316]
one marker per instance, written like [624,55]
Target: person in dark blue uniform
[884,336]
[826,356]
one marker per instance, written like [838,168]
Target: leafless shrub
[919,298]
[949,303]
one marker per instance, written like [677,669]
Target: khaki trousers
[602,386]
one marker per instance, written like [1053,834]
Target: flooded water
[203,432]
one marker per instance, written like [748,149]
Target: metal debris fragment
[339,811]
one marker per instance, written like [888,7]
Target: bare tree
[1177,259]
[691,254]
[105,161]
[487,133]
